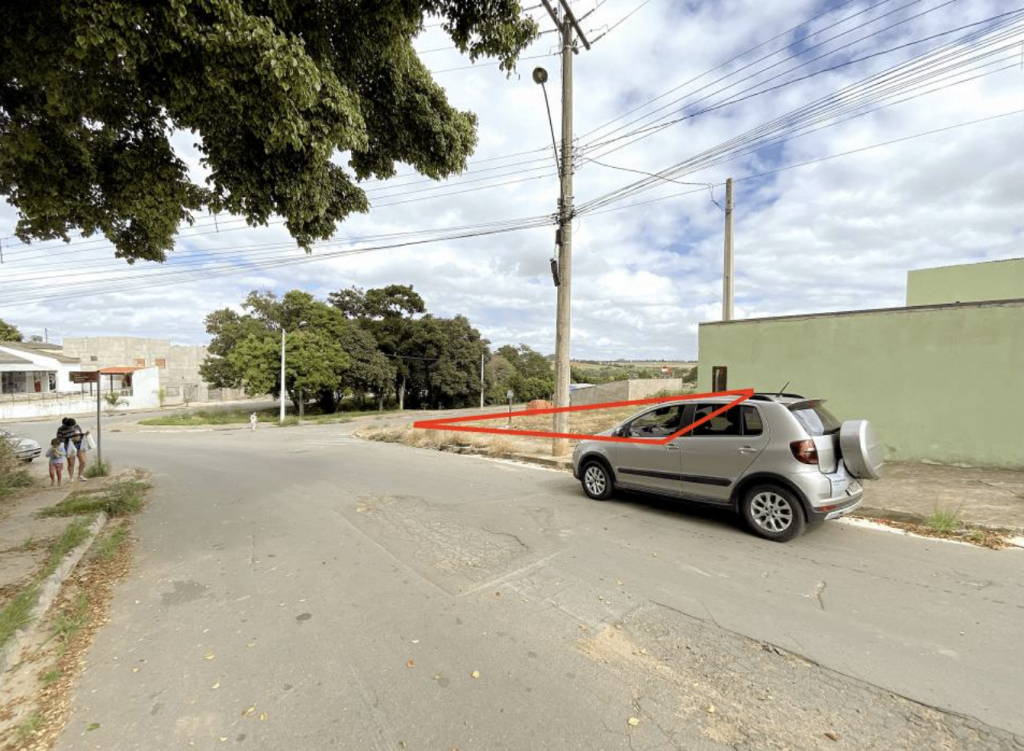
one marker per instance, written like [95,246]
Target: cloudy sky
[836,234]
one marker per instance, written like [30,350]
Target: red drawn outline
[448,423]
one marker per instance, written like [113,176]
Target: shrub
[13,474]
[98,469]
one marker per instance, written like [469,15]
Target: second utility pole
[566,24]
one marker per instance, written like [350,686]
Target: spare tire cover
[863,453]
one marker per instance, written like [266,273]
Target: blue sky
[839,234]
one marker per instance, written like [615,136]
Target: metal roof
[44,351]
[6,358]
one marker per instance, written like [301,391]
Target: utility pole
[281,419]
[727,272]
[566,24]
[481,381]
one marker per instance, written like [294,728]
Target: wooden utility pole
[481,381]
[727,271]
[567,24]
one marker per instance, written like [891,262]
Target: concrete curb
[48,591]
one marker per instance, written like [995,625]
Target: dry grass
[505,446]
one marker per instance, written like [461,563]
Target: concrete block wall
[621,391]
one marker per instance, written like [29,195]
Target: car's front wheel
[596,481]
[773,512]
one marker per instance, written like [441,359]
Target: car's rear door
[647,464]
[715,454]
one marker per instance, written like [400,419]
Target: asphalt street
[302,589]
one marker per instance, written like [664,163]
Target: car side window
[726,423]
[752,424]
[658,423]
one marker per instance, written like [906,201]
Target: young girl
[57,455]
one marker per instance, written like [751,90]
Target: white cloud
[839,234]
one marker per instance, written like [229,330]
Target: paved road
[349,590]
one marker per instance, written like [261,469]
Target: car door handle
[671,447]
[747,449]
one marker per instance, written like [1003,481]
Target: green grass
[120,498]
[107,546]
[69,624]
[943,520]
[50,677]
[31,724]
[98,469]
[17,613]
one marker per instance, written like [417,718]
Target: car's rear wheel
[773,512]
[596,481]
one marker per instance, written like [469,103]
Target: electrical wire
[817,160]
[215,270]
[859,94]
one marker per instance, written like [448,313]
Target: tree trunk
[401,394]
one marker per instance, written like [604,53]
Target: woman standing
[78,448]
[65,433]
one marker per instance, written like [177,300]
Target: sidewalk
[912,492]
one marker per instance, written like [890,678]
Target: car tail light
[805,451]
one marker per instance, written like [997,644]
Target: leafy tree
[691,375]
[388,314]
[446,372]
[531,376]
[91,93]
[325,353]
[8,332]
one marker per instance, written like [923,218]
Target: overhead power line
[939,66]
[817,160]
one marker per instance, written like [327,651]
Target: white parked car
[24,448]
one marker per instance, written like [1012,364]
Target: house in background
[178,365]
[940,379]
[35,368]
[135,373]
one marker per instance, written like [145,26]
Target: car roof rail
[774,397]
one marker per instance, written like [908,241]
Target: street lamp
[302,325]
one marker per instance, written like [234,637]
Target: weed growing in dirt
[944,520]
[50,677]
[31,724]
[120,498]
[98,469]
[17,613]
[109,544]
[69,623]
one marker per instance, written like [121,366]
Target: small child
[57,455]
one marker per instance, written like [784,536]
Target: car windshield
[816,419]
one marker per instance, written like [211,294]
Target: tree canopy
[8,332]
[376,342]
[91,94]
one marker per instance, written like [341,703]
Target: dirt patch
[685,673]
[35,700]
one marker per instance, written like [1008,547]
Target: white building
[36,368]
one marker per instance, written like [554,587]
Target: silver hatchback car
[778,459]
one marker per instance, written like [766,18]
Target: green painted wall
[942,384]
[972,282]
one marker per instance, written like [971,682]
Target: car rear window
[816,419]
